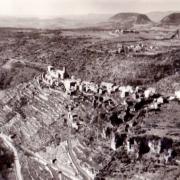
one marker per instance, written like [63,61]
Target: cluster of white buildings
[56,78]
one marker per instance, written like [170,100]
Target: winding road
[8,142]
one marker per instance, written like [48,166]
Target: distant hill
[76,21]
[172,19]
[157,16]
[132,18]
[33,22]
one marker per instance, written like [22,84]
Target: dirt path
[9,64]
[8,142]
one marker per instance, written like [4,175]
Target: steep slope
[34,122]
[157,16]
[27,119]
[133,18]
[172,19]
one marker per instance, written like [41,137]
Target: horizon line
[82,14]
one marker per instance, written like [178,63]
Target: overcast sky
[45,8]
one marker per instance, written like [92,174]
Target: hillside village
[134,101]
[122,106]
[91,103]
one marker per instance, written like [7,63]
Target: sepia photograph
[89,89]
